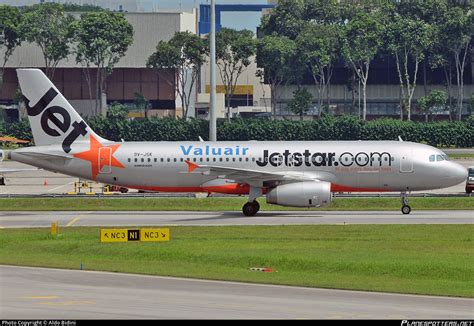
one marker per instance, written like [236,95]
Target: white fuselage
[348,165]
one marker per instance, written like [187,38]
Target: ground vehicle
[470,180]
[113,188]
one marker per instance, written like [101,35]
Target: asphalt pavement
[44,219]
[40,293]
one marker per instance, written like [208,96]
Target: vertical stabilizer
[52,118]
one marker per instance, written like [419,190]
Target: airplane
[296,173]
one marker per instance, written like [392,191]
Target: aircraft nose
[457,173]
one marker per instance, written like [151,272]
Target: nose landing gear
[406,209]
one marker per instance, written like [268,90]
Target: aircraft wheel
[406,209]
[251,209]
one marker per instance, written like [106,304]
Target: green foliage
[278,56]
[116,127]
[47,25]
[286,19]
[300,102]
[184,52]
[433,100]
[20,130]
[471,105]
[275,55]
[363,38]
[9,34]
[102,38]
[234,51]
[361,42]
[141,103]
[71,7]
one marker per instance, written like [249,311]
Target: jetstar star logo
[100,157]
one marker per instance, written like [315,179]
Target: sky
[249,20]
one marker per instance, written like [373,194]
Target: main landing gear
[405,208]
[252,207]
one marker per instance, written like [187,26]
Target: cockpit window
[432,158]
[439,158]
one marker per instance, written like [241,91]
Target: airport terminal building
[130,75]
[252,97]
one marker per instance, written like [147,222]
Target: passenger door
[406,161]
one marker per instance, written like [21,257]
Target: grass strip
[418,259]
[221,204]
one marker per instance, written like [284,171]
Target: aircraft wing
[256,178]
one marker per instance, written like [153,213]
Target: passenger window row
[194,159]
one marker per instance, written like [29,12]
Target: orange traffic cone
[45,183]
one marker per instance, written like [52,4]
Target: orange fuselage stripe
[243,189]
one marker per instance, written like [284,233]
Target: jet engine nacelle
[301,194]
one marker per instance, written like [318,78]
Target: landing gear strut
[405,208]
[252,207]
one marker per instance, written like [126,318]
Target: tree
[276,55]
[185,53]
[318,46]
[363,38]
[102,38]
[47,26]
[286,19]
[300,102]
[141,103]
[459,29]
[434,99]
[234,50]
[9,37]
[407,40]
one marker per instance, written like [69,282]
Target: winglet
[191,166]
[201,140]
[400,138]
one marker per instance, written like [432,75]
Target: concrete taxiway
[97,218]
[39,293]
